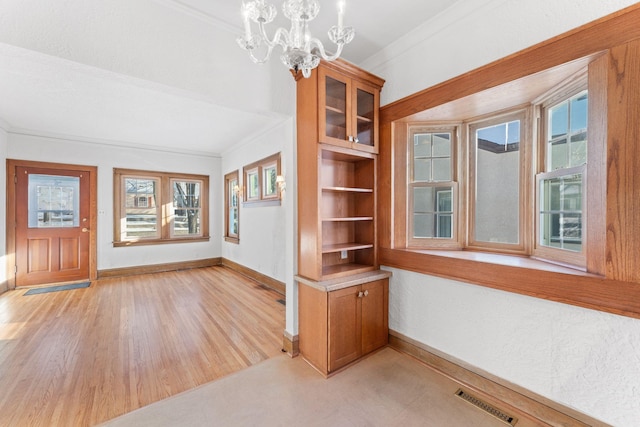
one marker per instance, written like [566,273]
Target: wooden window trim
[228,179]
[165,204]
[258,167]
[612,284]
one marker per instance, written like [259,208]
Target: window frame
[173,208]
[573,88]
[259,167]
[522,113]
[229,189]
[433,242]
[164,205]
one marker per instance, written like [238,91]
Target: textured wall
[581,358]
[584,359]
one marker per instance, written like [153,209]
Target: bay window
[499,184]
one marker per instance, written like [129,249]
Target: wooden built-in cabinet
[336,177]
[340,318]
[339,326]
[348,110]
[347,212]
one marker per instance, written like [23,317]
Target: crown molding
[201,15]
[111,143]
[4,125]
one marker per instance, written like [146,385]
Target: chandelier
[301,51]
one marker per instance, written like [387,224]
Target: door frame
[11,213]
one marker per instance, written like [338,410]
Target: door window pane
[54,201]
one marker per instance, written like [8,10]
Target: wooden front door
[52,225]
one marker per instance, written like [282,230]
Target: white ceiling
[53,81]
[377,22]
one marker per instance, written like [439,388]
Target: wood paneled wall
[623,163]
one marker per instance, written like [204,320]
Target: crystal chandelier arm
[317,43]
[261,60]
[281,37]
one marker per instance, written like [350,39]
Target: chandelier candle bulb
[245,17]
[301,51]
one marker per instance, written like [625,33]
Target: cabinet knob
[366,293]
[360,294]
[353,139]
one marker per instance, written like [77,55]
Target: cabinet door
[334,109]
[375,315]
[365,105]
[345,327]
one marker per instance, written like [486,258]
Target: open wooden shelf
[348,219]
[327,249]
[348,189]
[345,269]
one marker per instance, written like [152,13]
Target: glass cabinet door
[365,109]
[348,111]
[335,109]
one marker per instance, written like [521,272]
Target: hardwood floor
[80,357]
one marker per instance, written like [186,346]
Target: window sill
[505,260]
[159,241]
[260,203]
[521,275]
[232,240]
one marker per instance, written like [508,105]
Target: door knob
[85,230]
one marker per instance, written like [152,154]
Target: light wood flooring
[84,356]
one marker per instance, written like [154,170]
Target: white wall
[472,33]
[263,242]
[581,358]
[267,233]
[3,199]
[106,157]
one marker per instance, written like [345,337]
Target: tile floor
[388,388]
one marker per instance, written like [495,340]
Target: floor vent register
[488,408]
